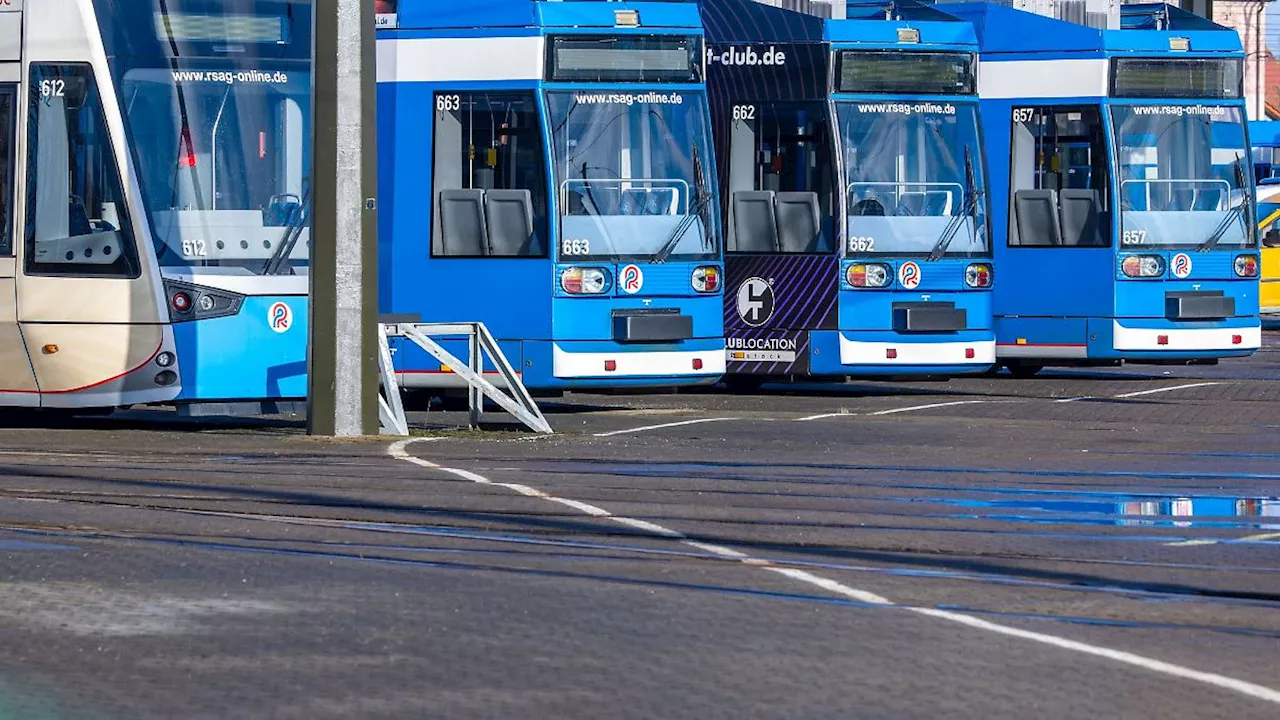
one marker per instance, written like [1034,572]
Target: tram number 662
[448,103]
[744,112]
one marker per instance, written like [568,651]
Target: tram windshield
[914,177]
[222,154]
[633,175]
[1184,176]
[216,100]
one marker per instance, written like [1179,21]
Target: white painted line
[1265,538]
[1227,683]
[399,451]
[825,416]
[663,425]
[1166,389]
[1074,399]
[895,411]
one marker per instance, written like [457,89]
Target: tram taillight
[706,279]
[868,275]
[584,281]
[181,302]
[1142,266]
[1246,266]
[978,275]
[189,302]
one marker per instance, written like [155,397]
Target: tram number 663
[448,103]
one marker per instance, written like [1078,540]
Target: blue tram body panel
[490,107]
[790,309]
[1125,243]
[216,367]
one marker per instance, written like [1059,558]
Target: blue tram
[547,168]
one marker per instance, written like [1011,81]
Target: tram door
[17,382]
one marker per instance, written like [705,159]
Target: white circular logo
[909,275]
[280,317]
[1181,265]
[755,301]
[631,279]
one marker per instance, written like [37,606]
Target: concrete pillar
[343,367]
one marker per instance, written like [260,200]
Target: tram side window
[781,179]
[77,222]
[489,185]
[1058,178]
[7,95]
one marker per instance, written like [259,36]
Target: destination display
[184,27]
[1211,78]
[635,58]
[916,73]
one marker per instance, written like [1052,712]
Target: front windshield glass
[633,175]
[1184,176]
[222,153]
[915,180]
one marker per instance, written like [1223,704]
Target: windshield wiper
[953,227]
[677,234]
[1234,214]
[704,197]
[293,231]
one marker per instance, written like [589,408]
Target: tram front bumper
[1229,339]
[628,363]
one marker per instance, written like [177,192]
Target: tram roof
[1144,28]
[870,22]
[583,14]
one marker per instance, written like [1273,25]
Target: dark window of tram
[1058,178]
[77,222]
[489,177]
[7,95]
[781,179]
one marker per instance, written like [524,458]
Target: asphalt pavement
[1100,543]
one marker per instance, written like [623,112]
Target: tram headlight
[1246,266]
[979,275]
[706,279]
[188,302]
[166,359]
[869,275]
[584,281]
[1142,266]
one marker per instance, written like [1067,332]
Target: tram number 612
[448,103]
[53,88]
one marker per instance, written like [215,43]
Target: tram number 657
[448,103]
[1023,115]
